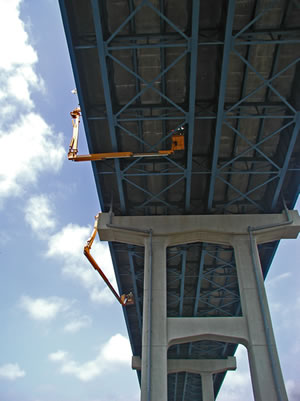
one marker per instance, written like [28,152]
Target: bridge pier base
[253,328]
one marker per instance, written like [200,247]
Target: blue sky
[63,336]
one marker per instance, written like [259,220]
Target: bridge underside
[227,74]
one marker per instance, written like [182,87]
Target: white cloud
[27,148]
[18,59]
[39,215]
[28,145]
[11,371]
[44,308]
[114,353]
[278,279]
[47,309]
[16,50]
[58,356]
[237,384]
[77,324]
[67,246]
[117,349]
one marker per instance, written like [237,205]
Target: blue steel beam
[231,172]
[211,272]
[252,146]
[147,46]
[219,259]
[135,68]
[218,286]
[168,21]
[135,291]
[212,307]
[243,89]
[268,42]
[255,19]
[129,133]
[152,196]
[149,85]
[262,122]
[245,196]
[284,168]
[107,94]
[197,117]
[156,196]
[192,99]
[125,22]
[263,85]
[220,114]
[244,42]
[237,297]
[266,81]
[255,146]
[267,116]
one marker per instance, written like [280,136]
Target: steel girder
[273,172]
[251,36]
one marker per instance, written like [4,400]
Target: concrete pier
[253,328]
[154,360]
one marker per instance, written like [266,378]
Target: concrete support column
[267,380]
[254,329]
[207,387]
[154,384]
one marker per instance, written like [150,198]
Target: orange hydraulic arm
[123,299]
[177,144]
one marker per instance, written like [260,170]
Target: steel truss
[272,105]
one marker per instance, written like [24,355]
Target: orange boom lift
[177,144]
[124,299]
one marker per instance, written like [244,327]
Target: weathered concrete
[218,229]
[228,329]
[207,387]
[197,366]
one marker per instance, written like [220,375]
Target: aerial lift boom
[177,144]
[124,299]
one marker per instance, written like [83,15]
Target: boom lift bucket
[177,144]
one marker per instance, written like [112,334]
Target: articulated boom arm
[124,299]
[177,144]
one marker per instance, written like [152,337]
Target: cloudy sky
[62,334]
